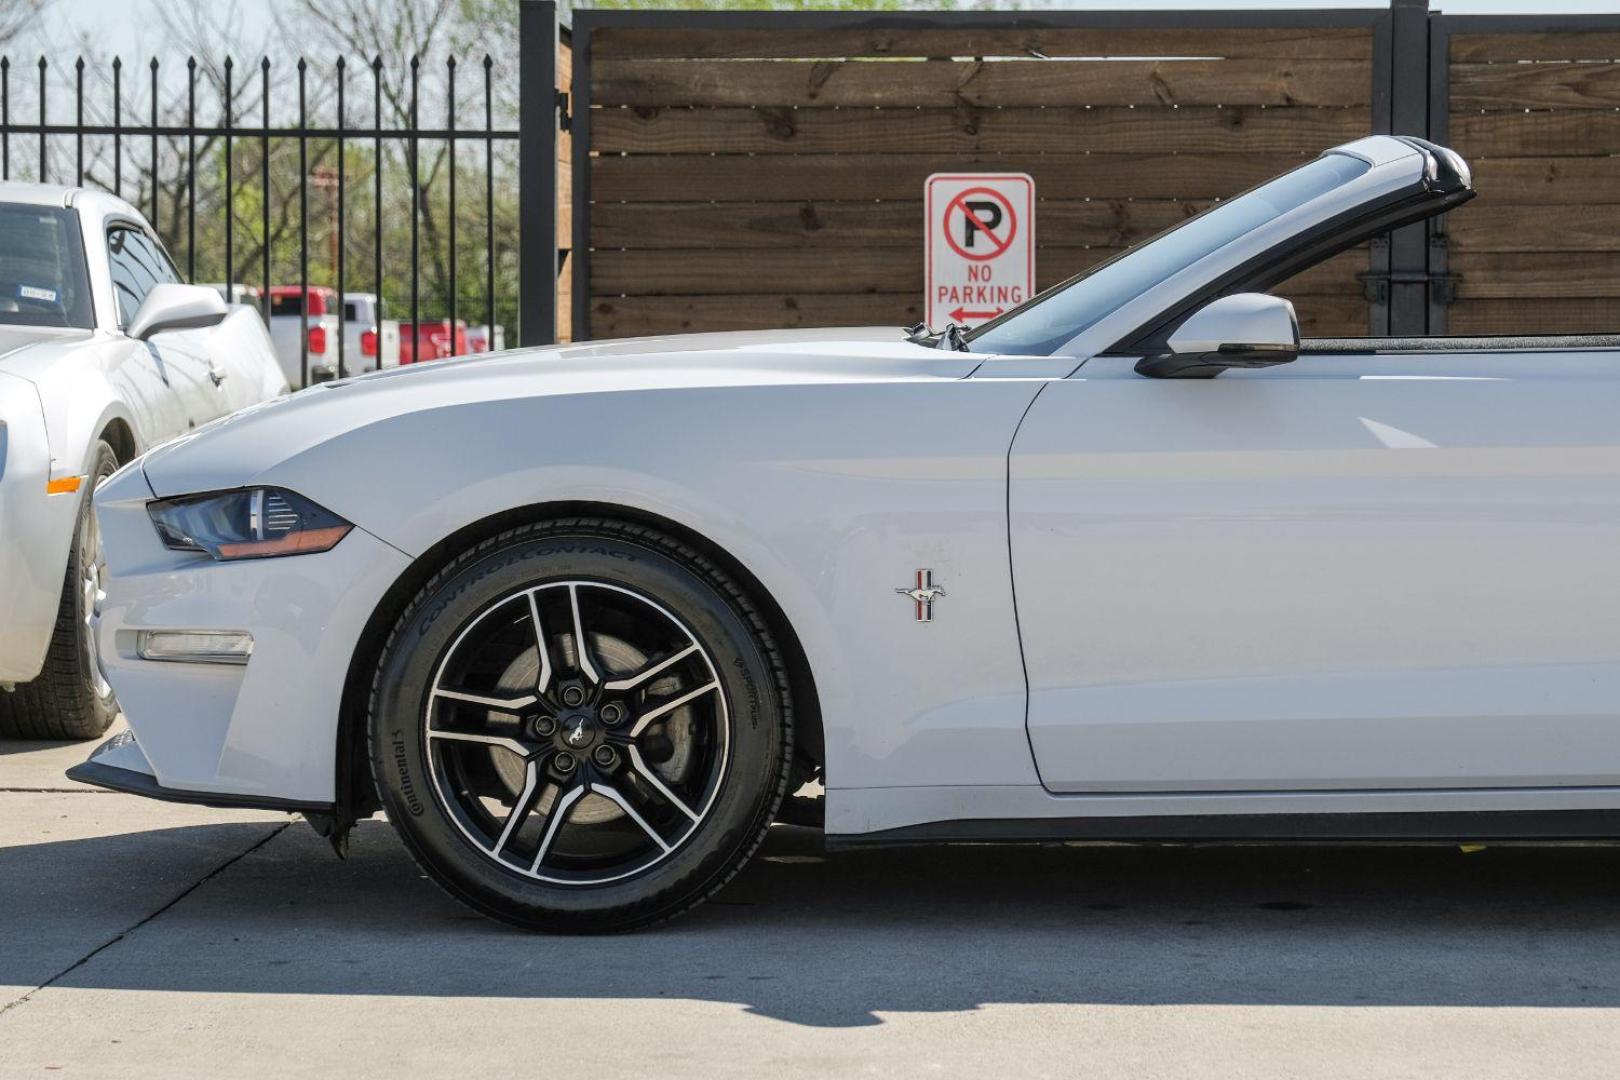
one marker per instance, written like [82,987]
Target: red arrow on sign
[962,314]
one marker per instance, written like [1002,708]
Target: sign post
[978,246]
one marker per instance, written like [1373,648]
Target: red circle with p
[984,211]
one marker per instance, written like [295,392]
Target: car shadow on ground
[17,748]
[842,939]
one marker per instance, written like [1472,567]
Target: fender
[80,403]
[831,527]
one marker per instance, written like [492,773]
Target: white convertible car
[103,353]
[599,608]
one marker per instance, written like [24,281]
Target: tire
[514,781]
[69,699]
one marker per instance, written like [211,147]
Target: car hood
[18,355]
[234,451]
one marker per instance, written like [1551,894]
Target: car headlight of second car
[248,523]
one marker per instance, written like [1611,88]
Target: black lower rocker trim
[1449,827]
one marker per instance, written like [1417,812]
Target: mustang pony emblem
[924,595]
[577,737]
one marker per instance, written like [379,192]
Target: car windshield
[1047,321]
[43,280]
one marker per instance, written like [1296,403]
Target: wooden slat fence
[1538,116]
[749,178]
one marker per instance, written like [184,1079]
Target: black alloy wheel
[582,725]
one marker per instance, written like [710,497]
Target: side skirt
[1451,827]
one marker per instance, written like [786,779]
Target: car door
[242,363]
[145,376]
[238,351]
[138,263]
[1352,572]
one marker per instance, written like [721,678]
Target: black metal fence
[374,141]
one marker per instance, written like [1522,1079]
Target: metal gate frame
[542,110]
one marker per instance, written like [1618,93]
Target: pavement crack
[122,934]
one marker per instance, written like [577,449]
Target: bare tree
[428,32]
[202,40]
[17,17]
[210,34]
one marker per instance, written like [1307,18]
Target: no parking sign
[979,245]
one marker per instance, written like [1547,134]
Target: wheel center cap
[577,732]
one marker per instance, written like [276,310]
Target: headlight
[253,523]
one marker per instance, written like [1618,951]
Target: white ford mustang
[103,353]
[596,609]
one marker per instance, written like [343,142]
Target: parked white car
[371,339]
[481,338]
[310,339]
[1049,578]
[103,354]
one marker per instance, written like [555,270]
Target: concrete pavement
[38,766]
[138,939]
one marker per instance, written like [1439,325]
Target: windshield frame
[1160,246]
[1399,170]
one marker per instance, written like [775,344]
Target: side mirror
[1244,330]
[177,307]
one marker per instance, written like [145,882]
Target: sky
[122,20]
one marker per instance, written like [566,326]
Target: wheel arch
[355,794]
[117,434]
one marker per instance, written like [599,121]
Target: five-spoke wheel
[577,732]
[581,725]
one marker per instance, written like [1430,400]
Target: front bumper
[119,765]
[260,734]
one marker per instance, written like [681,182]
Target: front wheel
[581,726]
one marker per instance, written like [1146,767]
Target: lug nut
[612,713]
[605,756]
[546,727]
[573,695]
[564,762]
